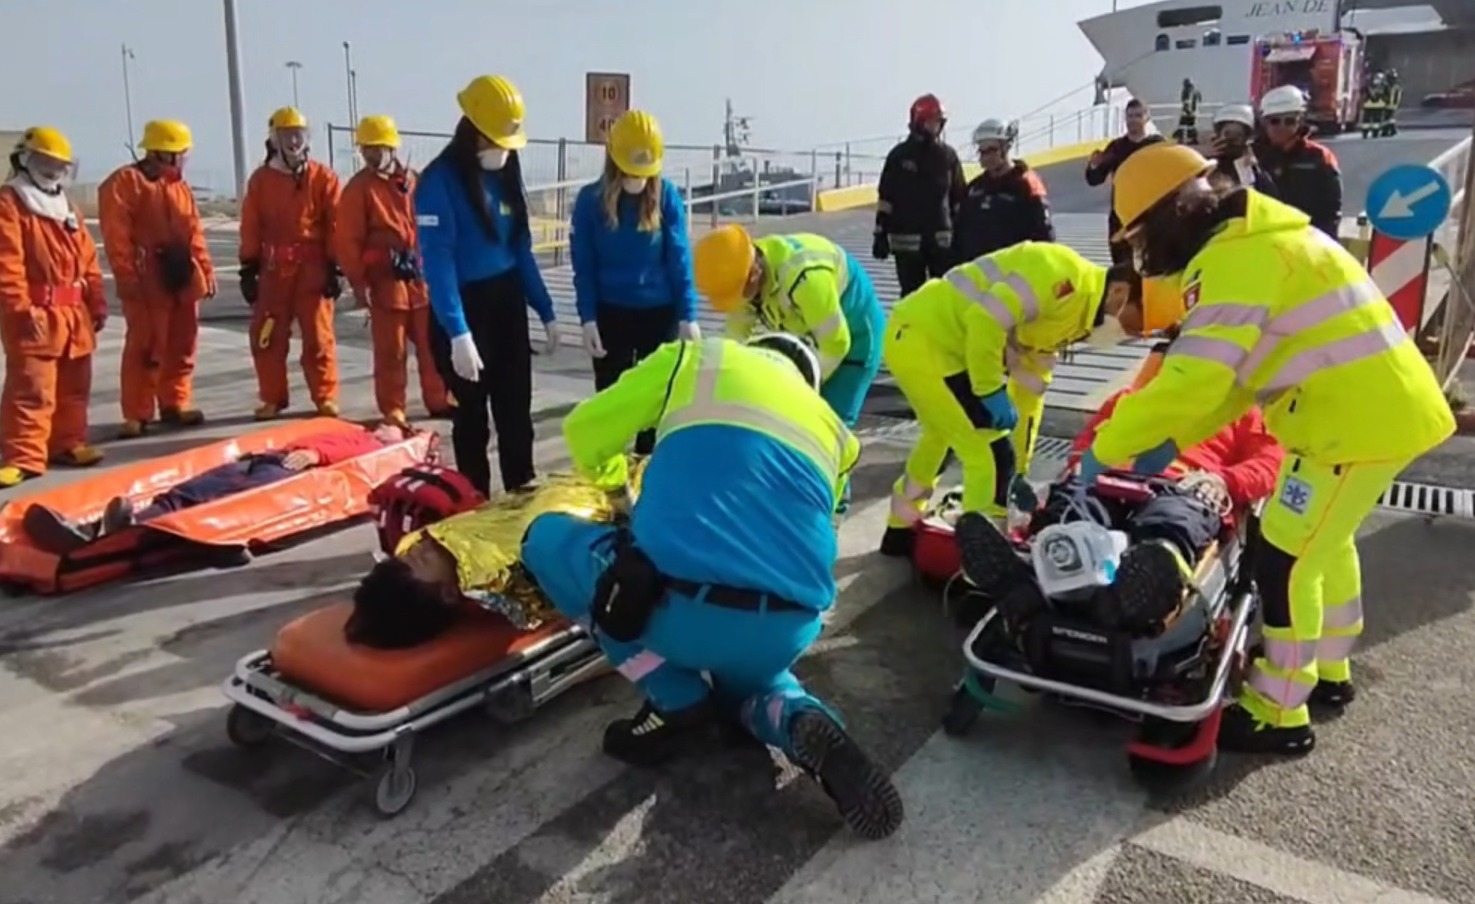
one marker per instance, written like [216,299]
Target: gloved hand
[551,337]
[1022,494]
[465,359]
[688,331]
[1090,468]
[880,247]
[1157,459]
[333,287]
[250,281]
[593,344]
[1001,411]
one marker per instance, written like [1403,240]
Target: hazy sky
[807,72]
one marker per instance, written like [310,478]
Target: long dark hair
[461,155]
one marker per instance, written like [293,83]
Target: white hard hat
[993,130]
[1282,100]
[1243,114]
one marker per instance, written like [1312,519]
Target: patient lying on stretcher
[1187,506]
[51,531]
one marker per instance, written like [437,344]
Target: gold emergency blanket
[486,542]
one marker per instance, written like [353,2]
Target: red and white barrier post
[1401,271]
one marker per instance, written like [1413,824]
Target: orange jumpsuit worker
[378,250]
[287,268]
[151,231]
[51,307]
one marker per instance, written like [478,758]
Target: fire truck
[1328,68]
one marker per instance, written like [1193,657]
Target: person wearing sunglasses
[1306,173]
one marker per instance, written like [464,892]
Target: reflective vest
[1006,314]
[723,382]
[806,278]
[1281,315]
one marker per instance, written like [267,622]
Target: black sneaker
[53,533]
[898,542]
[652,737]
[1241,732]
[1333,694]
[1148,588]
[117,516]
[868,801]
[990,560]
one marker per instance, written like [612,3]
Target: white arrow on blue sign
[1408,201]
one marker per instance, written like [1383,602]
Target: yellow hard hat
[1150,175]
[287,118]
[166,136]
[494,106]
[635,144]
[376,132]
[48,141]
[721,262]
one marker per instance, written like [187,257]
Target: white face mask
[492,159]
[633,185]
[1109,334]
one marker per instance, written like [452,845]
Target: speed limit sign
[606,96]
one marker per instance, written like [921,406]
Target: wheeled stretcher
[1172,684]
[225,531]
[363,708]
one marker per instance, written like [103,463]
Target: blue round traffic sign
[1408,201]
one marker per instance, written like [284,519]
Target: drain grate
[1429,499]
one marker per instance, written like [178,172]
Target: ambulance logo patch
[1190,296]
[1296,495]
[1064,289]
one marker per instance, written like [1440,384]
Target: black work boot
[52,532]
[654,737]
[117,516]
[990,560]
[898,542]
[1334,695]
[868,801]
[1241,732]
[1147,589]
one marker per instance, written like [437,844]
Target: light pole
[353,92]
[294,66]
[237,95]
[348,83]
[128,95]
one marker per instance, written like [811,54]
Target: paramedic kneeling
[727,563]
[1201,489]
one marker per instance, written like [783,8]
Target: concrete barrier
[837,199]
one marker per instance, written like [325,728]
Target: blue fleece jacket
[457,250]
[624,267]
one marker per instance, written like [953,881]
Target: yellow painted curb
[837,199]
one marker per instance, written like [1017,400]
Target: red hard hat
[927,107]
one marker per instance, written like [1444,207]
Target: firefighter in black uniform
[1305,172]
[1375,106]
[1234,127]
[1104,163]
[921,186]
[1395,97]
[1006,203]
[1187,131]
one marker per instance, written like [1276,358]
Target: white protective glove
[465,359]
[592,343]
[551,337]
[688,331]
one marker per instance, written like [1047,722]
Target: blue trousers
[748,654]
[846,388]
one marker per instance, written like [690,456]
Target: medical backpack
[417,497]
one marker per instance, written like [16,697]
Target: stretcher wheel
[231,557]
[511,704]
[1162,778]
[962,712]
[247,728]
[394,788]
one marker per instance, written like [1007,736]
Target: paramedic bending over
[472,216]
[632,259]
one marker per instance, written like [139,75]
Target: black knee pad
[1273,578]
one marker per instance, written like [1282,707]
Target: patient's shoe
[182,417]
[1241,732]
[862,791]
[653,737]
[52,532]
[990,560]
[81,455]
[1147,590]
[898,542]
[117,516]
[131,429]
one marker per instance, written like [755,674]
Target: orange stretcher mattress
[314,499]
[312,653]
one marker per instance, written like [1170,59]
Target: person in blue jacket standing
[471,215]
[631,256]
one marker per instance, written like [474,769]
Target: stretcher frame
[1231,622]
[266,704]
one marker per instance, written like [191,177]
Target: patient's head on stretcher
[407,600]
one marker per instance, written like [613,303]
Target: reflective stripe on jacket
[1281,315]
